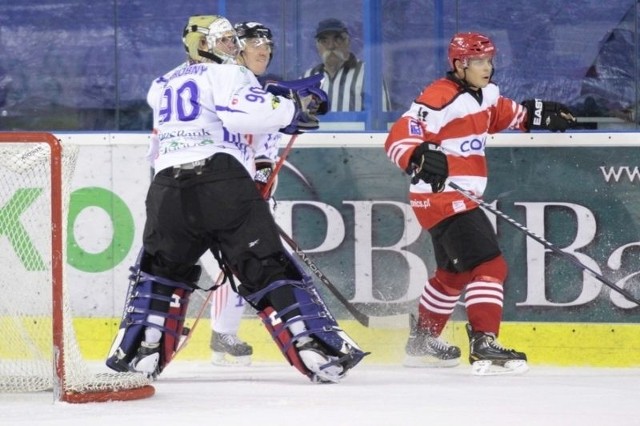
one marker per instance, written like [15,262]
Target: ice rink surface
[193,394]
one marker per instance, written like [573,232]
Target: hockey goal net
[39,349]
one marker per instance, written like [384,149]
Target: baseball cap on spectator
[331,25]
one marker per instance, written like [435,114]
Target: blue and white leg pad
[138,307]
[317,323]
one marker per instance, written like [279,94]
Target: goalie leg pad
[150,295]
[307,325]
[282,337]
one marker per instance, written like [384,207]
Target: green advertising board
[347,208]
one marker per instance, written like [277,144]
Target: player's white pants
[227,308]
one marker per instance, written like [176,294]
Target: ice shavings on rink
[193,394]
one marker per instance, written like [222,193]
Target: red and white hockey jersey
[459,120]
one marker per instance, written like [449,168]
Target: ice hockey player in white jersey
[227,307]
[203,197]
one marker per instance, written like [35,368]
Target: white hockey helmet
[221,39]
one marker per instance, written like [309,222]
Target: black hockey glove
[546,115]
[430,165]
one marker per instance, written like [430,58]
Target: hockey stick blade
[545,243]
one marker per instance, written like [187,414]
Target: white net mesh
[26,351]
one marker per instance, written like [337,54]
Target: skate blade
[222,359]
[323,371]
[487,368]
[429,362]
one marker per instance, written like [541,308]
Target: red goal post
[40,350]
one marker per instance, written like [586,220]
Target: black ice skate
[229,350]
[488,357]
[425,350]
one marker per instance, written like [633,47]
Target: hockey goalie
[203,197]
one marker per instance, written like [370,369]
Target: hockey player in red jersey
[442,137]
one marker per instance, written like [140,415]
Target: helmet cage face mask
[220,38]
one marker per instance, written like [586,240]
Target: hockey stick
[545,243]
[279,164]
[188,331]
[388,321]
[359,316]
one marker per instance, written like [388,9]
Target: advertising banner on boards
[345,204]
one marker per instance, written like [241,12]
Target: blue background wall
[76,65]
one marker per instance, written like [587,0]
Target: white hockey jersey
[206,108]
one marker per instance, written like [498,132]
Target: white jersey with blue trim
[206,108]
[265,146]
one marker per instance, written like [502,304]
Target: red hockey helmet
[464,46]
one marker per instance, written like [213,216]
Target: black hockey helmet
[254,30]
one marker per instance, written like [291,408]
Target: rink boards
[345,204]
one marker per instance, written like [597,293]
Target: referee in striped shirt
[343,72]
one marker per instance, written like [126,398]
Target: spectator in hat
[343,72]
